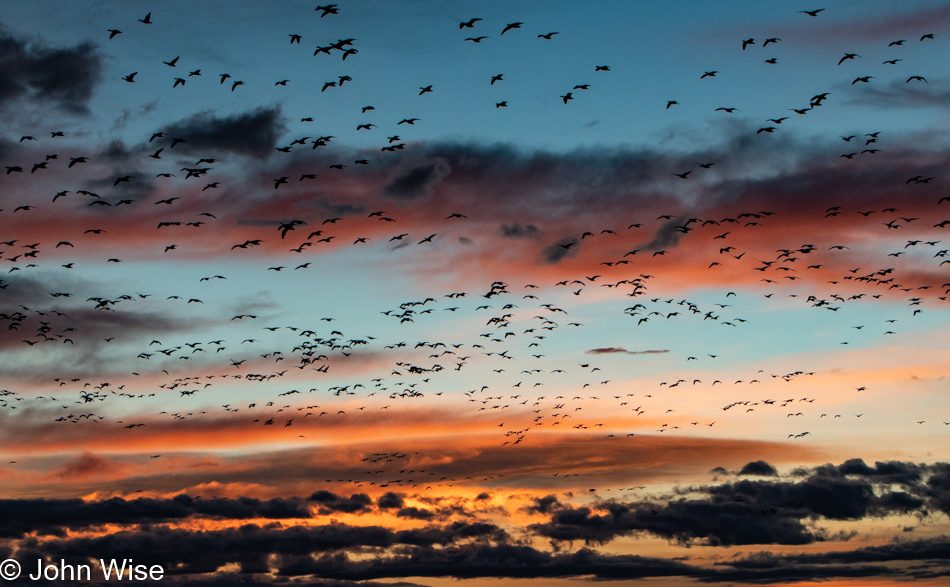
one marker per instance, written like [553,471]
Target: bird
[513,25]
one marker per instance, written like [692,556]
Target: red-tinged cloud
[910,25]
[345,448]
[827,28]
[86,466]
[564,197]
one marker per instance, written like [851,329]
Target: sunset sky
[621,291]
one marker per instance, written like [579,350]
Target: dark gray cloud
[520,231]
[759,512]
[667,235]
[89,325]
[416,179]
[62,76]
[901,93]
[613,350]
[55,516]
[330,502]
[758,468]
[930,555]
[488,560]
[391,500]
[253,133]
[553,254]
[415,513]
[335,554]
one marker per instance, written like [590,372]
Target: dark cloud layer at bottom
[772,510]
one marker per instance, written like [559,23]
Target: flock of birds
[519,320]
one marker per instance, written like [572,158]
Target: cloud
[329,502]
[86,465]
[752,512]
[415,513]
[564,195]
[902,94]
[252,133]
[612,350]
[553,254]
[62,76]
[390,500]
[736,513]
[415,179]
[520,231]
[758,468]
[667,235]
[55,516]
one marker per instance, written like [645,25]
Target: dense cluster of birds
[519,320]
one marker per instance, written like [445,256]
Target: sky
[357,295]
